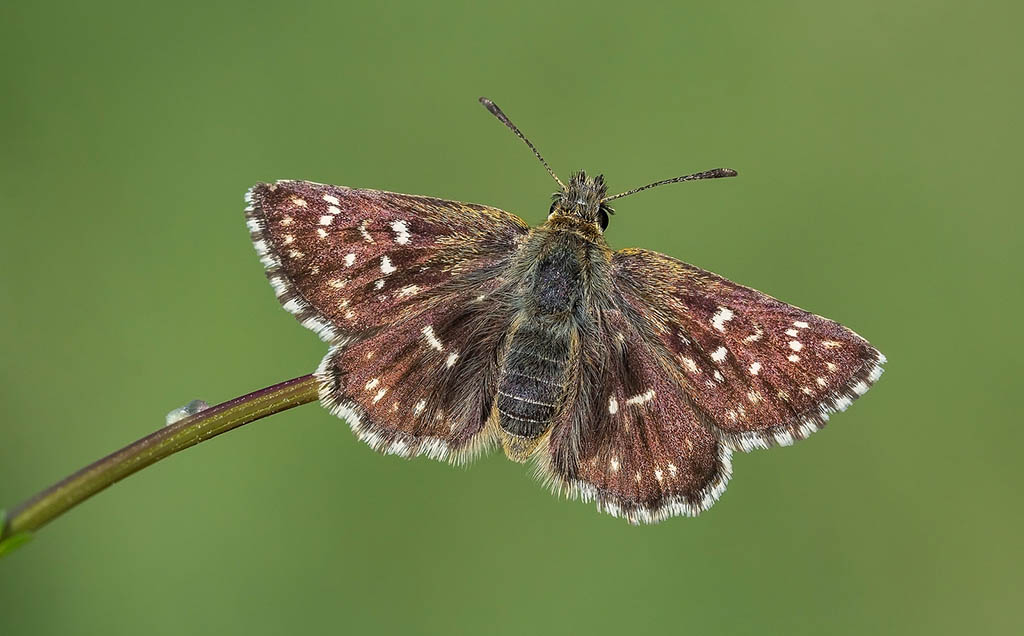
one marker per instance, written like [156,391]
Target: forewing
[762,371]
[423,386]
[631,439]
[348,262]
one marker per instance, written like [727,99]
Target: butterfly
[627,376]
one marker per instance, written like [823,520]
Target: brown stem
[36,512]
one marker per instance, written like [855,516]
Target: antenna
[493,108]
[717,173]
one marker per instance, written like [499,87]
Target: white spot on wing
[428,333]
[755,368]
[331,199]
[452,357]
[801,324]
[613,407]
[372,384]
[691,365]
[722,316]
[642,397]
[719,354]
[385,265]
[401,230]
[350,260]
[364,232]
[326,219]
[795,345]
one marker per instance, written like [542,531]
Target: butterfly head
[583,198]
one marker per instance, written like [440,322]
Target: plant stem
[64,495]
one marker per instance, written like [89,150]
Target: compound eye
[602,219]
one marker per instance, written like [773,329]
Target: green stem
[64,495]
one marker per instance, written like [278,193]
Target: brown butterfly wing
[347,262]
[630,438]
[425,385]
[407,289]
[680,367]
[763,372]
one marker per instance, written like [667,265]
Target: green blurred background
[878,145]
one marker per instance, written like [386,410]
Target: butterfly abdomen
[531,386]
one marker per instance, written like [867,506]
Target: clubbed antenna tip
[717,173]
[503,118]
